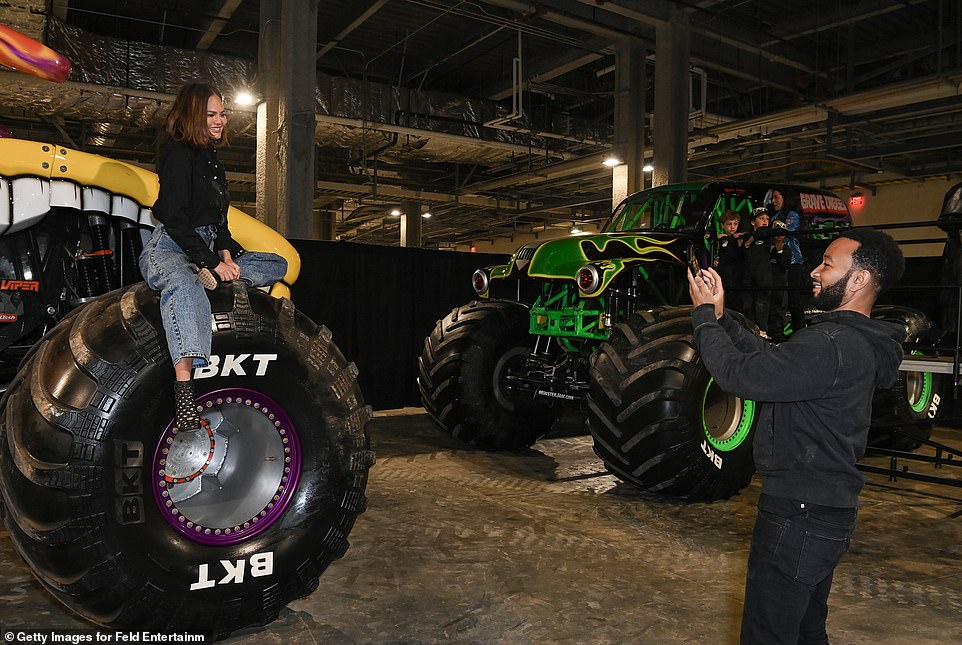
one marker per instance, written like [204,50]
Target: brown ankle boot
[185,407]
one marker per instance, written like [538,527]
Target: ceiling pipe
[430,134]
[853,13]
[891,96]
[649,20]
[217,25]
[357,22]
[398,193]
[563,169]
[565,20]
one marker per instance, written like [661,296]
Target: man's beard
[830,298]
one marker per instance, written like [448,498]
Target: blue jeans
[184,307]
[795,549]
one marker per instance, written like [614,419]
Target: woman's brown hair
[187,120]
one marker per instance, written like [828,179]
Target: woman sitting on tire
[191,248]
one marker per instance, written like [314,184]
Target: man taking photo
[816,393]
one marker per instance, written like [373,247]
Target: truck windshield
[652,209]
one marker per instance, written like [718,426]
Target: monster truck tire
[657,418]
[904,415]
[134,527]
[461,376]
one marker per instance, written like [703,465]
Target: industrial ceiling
[415,97]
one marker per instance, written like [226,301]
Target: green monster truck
[602,321]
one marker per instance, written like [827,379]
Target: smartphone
[693,265]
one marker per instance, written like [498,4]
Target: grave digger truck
[601,321]
[128,523]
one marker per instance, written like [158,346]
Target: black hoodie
[816,391]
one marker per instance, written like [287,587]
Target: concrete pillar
[670,123]
[619,185]
[285,119]
[629,118]
[326,225]
[411,223]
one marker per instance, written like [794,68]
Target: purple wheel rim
[246,473]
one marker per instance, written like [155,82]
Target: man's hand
[706,289]
[227,269]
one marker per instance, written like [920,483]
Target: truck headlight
[481,281]
[589,278]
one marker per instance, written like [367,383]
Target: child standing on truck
[731,258]
[758,271]
[780,260]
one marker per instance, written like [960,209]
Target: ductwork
[124,83]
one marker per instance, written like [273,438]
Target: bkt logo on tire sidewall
[713,456]
[934,406]
[236,365]
[234,571]
[129,481]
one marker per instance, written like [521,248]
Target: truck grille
[526,252]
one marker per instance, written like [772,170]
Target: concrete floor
[542,546]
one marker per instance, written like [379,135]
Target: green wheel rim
[920,403]
[918,389]
[726,420]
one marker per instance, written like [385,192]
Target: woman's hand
[227,270]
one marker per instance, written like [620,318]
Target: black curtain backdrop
[380,303]
[918,288]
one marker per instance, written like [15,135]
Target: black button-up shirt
[193,192]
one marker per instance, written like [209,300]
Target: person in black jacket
[191,248]
[780,259]
[816,394]
[758,270]
[730,259]
[785,208]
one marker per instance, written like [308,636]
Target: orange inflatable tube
[30,57]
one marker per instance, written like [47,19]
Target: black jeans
[776,306]
[759,279]
[795,548]
[797,278]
